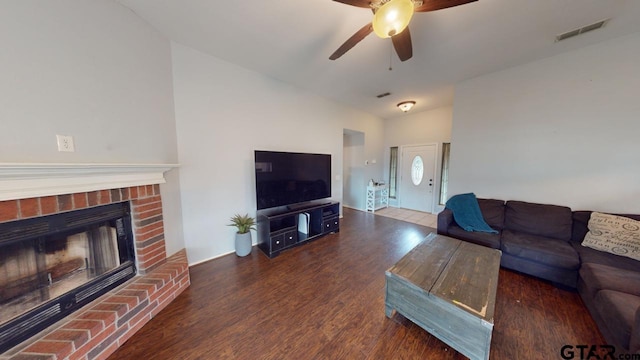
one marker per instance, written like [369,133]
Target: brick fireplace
[99,328]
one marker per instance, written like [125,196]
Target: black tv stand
[295,226]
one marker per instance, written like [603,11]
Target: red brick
[162,305]
[147,200]
[140,294]
[144,316]
[60,349]
[125,194]
[181,277]
[95,341]
[8,210]
[93,198]
[156,189]
[48,205]
[146,235]
[147,288]
[185,282]
[169,271]
[150,264]
[155,282]
[80,200]
[152,252]
[108,351]
[92,326]
[107,317]
[104,197]
[133,192]
[119,309]
[163,294]
[153,277]
[142,191]
[78,337]
[130,301]
[149,190]
[148,214]
[29,208]
[130,333]
[65,202]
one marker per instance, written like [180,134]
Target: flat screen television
[287,178]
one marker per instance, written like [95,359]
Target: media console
[283,230]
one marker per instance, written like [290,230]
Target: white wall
[562,130]
[427,127]
[92,70]
[224,113]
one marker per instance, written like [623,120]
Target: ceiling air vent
[582,30]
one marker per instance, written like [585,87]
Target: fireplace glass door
[57,263]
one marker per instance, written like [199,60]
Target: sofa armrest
[445,219]
[634,342]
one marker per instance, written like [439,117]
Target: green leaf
[244,223]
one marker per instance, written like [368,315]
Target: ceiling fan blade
[358,3]
[352,41]
[402,44]
[432,5]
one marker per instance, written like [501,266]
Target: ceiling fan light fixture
[392,18]
[406,105]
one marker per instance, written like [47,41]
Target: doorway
[353,169]
[417,175]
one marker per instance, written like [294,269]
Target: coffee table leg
[388,310]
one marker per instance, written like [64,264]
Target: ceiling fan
[391,19]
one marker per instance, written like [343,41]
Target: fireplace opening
[53,265]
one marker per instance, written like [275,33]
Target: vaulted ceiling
[291,41]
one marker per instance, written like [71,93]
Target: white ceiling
[291,40]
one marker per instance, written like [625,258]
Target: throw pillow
[614,234]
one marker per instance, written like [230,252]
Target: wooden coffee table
[447,287]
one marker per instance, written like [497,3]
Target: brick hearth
[98,329]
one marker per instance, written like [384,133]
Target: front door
[417,177]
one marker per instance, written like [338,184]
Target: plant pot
[243,244]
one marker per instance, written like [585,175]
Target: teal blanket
[466,212]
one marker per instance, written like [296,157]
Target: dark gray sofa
[609,285]
[545,241]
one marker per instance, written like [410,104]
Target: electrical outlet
[65,143]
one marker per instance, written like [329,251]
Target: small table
[377,197]
[447,287]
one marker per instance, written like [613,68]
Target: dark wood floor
[325,300]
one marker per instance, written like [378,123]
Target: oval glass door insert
[417,170]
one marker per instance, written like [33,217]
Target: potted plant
[244,224]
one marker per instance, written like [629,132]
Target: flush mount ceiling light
[392,17]
[406,105]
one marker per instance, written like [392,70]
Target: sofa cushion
[543,250]
[491,240]
[604,277]
[581,222]
[492,212]
[614,234]
[588,255]
[619,309]
[549,221]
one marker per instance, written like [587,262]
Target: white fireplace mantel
[27,180]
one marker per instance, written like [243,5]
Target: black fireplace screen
[53,265]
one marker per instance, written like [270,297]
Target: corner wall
[562,130]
